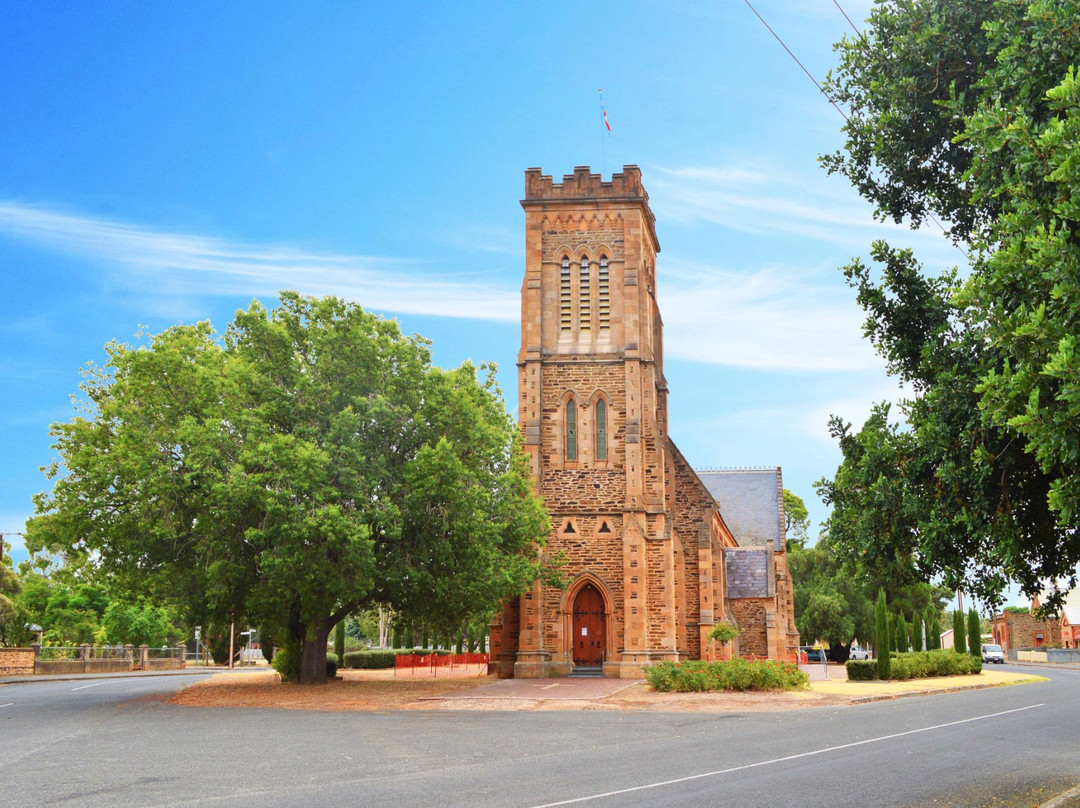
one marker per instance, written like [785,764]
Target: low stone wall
[1058,655]
[82,666]
[16,661]
[1067,655]
[163,664]
[1031,656]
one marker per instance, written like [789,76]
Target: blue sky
[165,163]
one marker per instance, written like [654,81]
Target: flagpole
[603,141]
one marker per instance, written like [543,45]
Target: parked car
[816,655]
[993,653]
[858,652]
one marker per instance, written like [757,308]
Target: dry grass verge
[379,690]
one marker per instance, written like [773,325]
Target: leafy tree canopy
[796,520]
[308,463]
[969,112]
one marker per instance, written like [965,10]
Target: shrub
[287,662]
[369,660]
[862,670]
[732,674]
[331,665]
[924,664]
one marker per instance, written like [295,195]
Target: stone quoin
[655,553]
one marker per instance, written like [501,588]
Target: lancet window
[571,430]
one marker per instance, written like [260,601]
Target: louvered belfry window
[603,303]
[585,297]
[566,316]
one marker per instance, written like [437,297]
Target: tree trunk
[313,656]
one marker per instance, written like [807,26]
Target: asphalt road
[108,742]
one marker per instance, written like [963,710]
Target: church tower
[593,408]
[642,541]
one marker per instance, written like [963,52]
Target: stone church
[655,553]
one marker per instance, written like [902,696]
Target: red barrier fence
[450,664]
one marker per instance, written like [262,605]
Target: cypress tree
[974,633]
[916,632]
[935,633]
[881,639]
[932,642]
[901,635]
[959,637]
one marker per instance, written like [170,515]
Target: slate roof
[749,501]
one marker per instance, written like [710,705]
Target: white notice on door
[584,631]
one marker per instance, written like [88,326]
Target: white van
[993,653]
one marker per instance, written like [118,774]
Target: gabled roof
[750,502]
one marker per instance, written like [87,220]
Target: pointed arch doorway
[589,627]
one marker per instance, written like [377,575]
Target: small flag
[603,111]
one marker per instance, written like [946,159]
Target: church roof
[749,500]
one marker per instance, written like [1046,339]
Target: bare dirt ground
[380,691]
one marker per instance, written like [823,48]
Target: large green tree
[796,520]
[12,616]
[830,604]
[309,462]
[969,112]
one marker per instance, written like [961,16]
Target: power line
[821,89]
[796,58]
[846,17]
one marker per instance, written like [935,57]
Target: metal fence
[449,664]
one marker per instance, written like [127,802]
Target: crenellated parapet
[583,186]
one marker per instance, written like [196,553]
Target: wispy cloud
[769,318]
[186,264]
[763,198]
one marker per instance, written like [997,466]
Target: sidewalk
[839,685]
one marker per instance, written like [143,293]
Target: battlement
[583,184]
[585,188]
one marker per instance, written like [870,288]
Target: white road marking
[548,687]
[7,705]
[99,684]
[780,760]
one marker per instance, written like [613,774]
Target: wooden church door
[589,627]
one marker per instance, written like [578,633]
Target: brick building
[1022,630]
[656,554]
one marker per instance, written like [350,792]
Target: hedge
[731,674]
[862,670]
[369,659]
[917,665]
[383,657]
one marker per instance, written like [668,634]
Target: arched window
[571,429]
[603,303]
[566,319]
[584,297]
[601,429]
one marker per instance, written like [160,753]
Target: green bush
[732,674]
[369,660]
[925,664]
[331,665]
[287,662]
[862,670]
